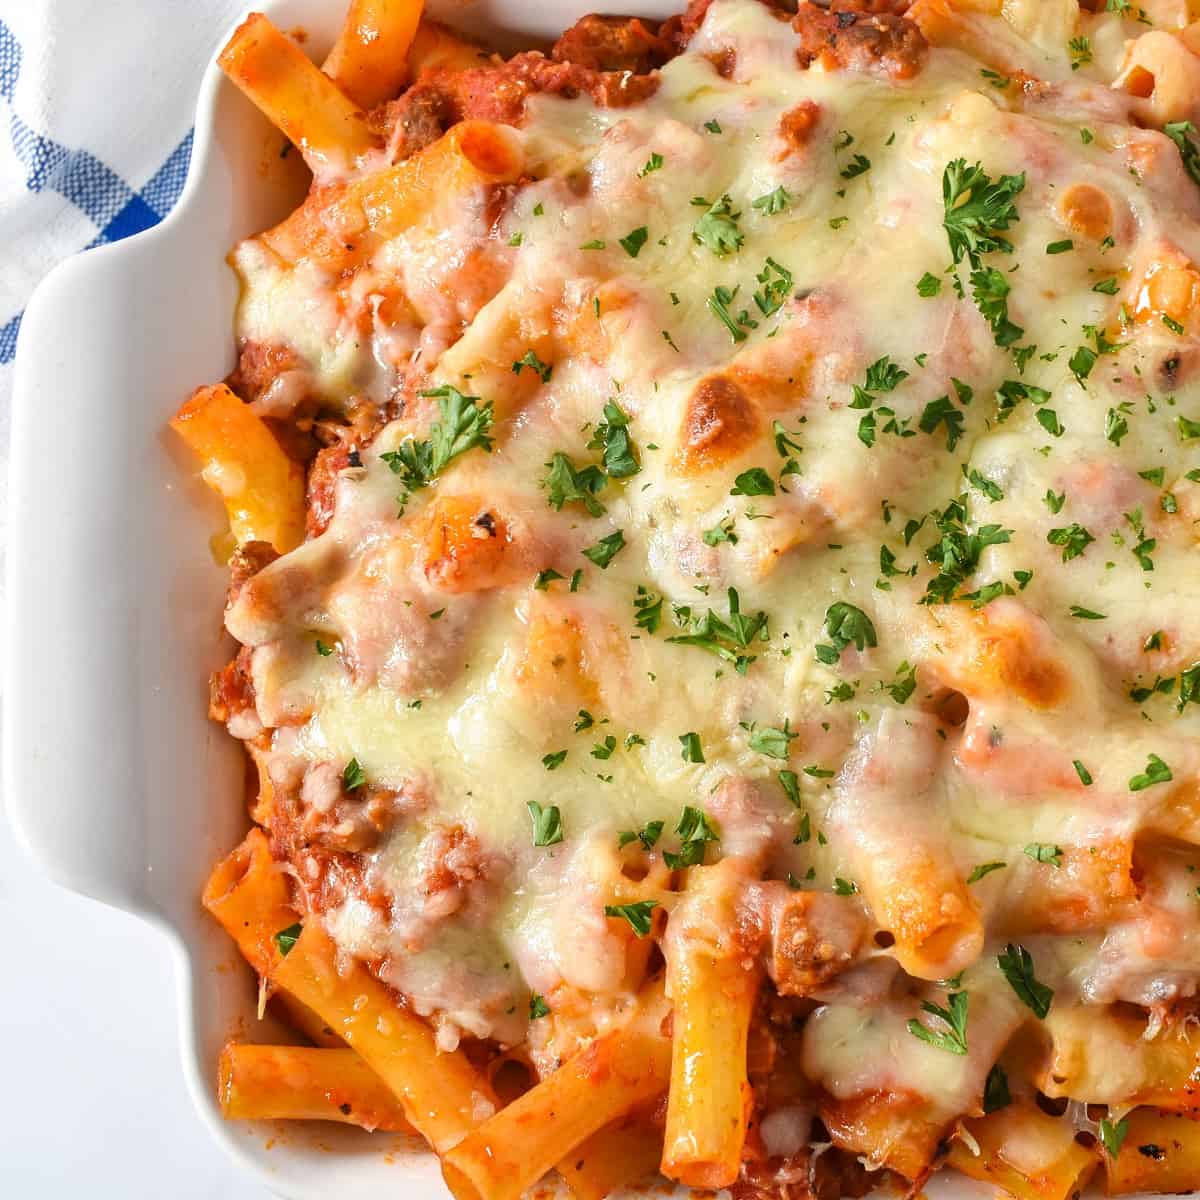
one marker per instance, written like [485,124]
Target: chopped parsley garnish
[983,596]
[773,202]
[990,289]
[954,1037]
[648,610]
[538,1007]
[845,625]
[1082,362]
[1179,132]
[1189,687]
[594,244]
[718,228]
[285,939]
[753,482]
[606,549]
[957,552]
[1054,500]
[691,750]
[323,650]
[1060,247]
[1087,614]
[653,163]
[1044,852]
[1156,771]
[1115,426]
[902,688]
[463,424]
[721,533]
[638,915]
[1188,429]
[634,240]
[567,484]
[928,285]
[1173,325]
[1112,1136]
[772,742]
[712,126]
[1145,546]
[1106,287]
[942,411]
[1085,776]
[530,359]
[1017,964]
[883,375]
[555,760]
[718,304]
[790,782]
[977,210]
[604,750]
[844,887]
[995,1090]
[547,822]
[612,436]
[695,830]
[648,835]
[1080,49]
[353,777]
[584,720]
[1073,539]
[887,564]
[860,164]
[1160,687]
[546,578]
[985,869]
[988,487]
[1010,394]
[776,287]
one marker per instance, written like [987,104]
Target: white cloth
[96,105]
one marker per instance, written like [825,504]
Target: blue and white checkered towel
[96,106]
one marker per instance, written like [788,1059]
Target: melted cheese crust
[996,728]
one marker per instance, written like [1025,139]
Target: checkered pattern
[115,207]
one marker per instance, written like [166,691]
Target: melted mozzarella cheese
[472,691]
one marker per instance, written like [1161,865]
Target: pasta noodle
[269,1083]
[369,60]
[514,1149]
[262,489]
[304,104]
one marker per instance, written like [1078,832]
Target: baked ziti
[713,527]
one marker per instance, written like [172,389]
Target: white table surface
[92,1098]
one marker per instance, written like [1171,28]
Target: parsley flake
[285,939]
[547,822]
[638,915]
[1017,964]
[954,1037]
